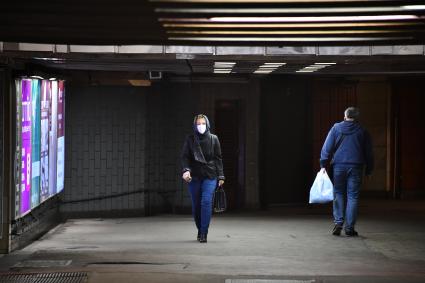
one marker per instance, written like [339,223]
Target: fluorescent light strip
[315,67]
[289,39]
[295,19]
[261,72]
[383,9]
[235,32]
[301,25]
[414,7]
[268,67]
[223,67]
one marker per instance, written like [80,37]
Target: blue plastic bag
[322,189]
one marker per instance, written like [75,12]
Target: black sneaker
[337,230]
[203,238]
[351,233]
[199,236]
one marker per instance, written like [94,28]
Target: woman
[202,168]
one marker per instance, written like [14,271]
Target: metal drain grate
[57,277]
[42,263]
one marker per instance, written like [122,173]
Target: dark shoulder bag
[330,171]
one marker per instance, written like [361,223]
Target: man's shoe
[337,230]
[199,236]
[203,238]
[351,233]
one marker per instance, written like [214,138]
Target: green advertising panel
[36,143]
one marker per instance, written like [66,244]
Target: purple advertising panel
[61,138]
[25,201]
[53,137]
[45,110]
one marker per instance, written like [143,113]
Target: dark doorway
[229,129]
[286,142]
[410,137]
[330,98]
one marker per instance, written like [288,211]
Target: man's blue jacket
[348,144]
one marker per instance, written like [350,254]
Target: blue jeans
[202,192]
[347,181]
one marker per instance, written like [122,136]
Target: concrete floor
[283,244]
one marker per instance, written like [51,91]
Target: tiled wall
[105,149]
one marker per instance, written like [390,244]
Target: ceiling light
[377,9]
[304,71]
[262,72]
[413,7]
[296,19]
[222,71]
[281,32]
[333,63]
[290,39]
[287,25]
[140,82]
[37,77]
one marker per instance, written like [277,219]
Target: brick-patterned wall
[121,139]
[105,149]
[171,110]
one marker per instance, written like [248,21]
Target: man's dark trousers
[347,181]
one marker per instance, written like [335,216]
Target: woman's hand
[220,183]
[187,177]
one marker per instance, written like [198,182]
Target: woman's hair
[199,116]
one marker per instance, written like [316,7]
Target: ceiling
[214,22]
[225,65]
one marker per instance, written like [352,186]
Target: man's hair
[352,113]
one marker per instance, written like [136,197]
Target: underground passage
[184,141]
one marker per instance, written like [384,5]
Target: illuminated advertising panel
[40,142]
[61,138]
[26,164]
[53,137]
[35,143]
[45,109]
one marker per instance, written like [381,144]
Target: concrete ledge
[32,226]
[104,214]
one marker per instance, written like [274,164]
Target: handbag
[220,201]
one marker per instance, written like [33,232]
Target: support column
[6,154]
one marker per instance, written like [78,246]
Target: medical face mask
[201,128]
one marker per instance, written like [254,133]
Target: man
[348,148]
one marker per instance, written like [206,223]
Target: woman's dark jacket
[201,156]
